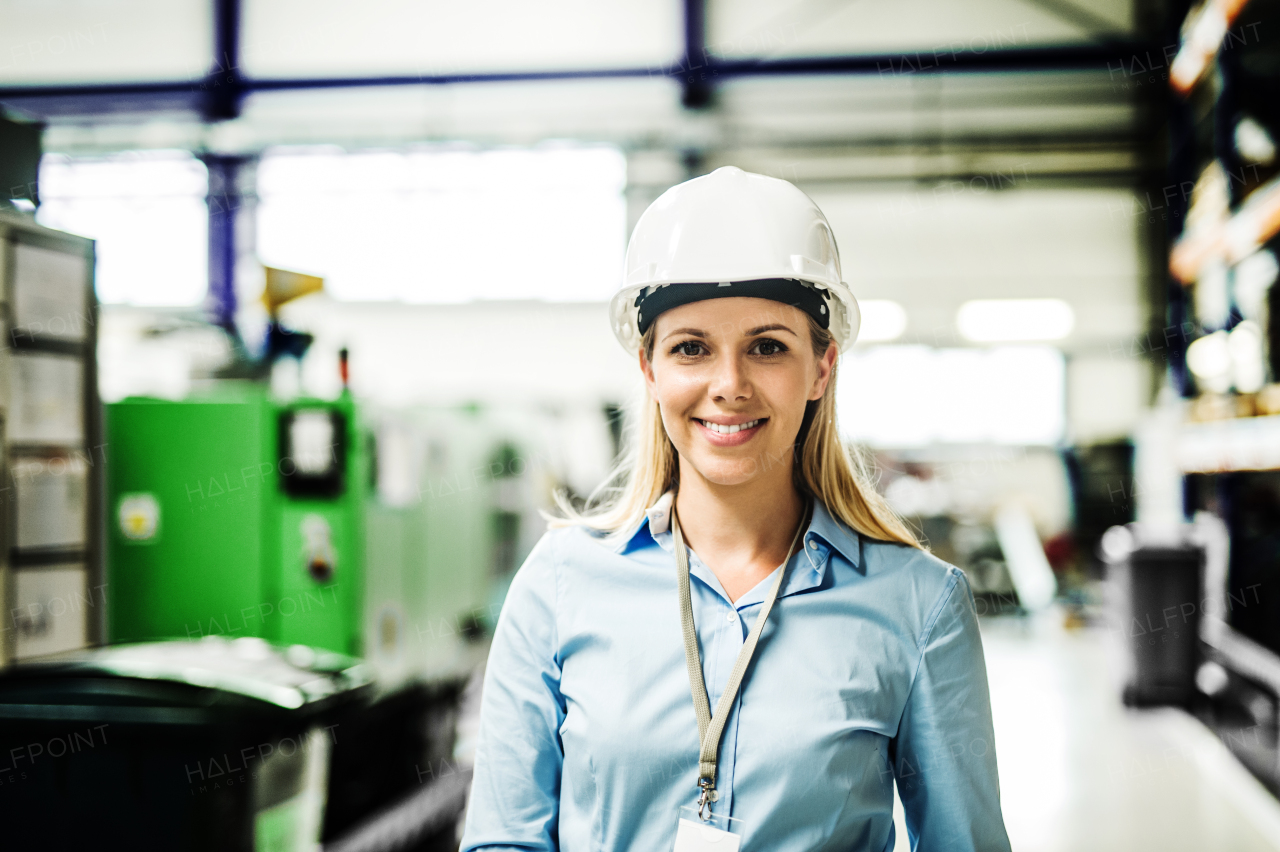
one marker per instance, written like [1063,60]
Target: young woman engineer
[743,647]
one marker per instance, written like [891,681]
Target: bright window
[996,320]
[148,214]
[448,225]
[911,396]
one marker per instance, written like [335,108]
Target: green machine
[235,515]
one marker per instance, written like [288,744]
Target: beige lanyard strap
[711,728]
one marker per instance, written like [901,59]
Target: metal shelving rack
[1208,83]
[1226,446]
[50,523]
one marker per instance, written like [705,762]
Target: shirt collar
[824,534]
[658,515]
[656,522]
[825,531]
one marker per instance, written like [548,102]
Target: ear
[826,366]
[646,369]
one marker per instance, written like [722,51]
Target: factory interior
[274,446]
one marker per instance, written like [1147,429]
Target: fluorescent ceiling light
[993,320]
[882,319]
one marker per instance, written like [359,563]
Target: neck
[741,532]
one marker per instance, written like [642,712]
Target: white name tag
[695,836]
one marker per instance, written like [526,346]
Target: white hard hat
[733,233]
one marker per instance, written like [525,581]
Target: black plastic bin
[207,745]
[1157,575]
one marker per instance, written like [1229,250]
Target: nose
[729,382]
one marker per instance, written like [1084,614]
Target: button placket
[717,650]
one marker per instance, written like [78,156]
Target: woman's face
[732,377]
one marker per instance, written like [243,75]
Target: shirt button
[813,544]
[731,617]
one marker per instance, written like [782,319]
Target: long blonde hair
[824,468]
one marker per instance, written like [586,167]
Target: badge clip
[706,797]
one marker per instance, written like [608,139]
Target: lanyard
[711,728]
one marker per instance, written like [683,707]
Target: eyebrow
[777,326]
[691,331]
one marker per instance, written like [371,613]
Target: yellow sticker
[139,516]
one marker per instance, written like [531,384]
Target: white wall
[931,249]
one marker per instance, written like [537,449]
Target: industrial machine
[51,452]
[234,514]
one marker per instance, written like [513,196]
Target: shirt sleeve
[516,788]
[944,755]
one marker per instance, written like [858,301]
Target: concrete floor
[1081,773]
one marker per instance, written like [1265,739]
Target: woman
[741,564]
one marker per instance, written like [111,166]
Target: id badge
[715,834]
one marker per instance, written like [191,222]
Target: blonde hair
[824,469]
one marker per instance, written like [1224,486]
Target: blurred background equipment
[19,163]
[334,327]
[1028,566]
[286,481]
[283,286]
[51,582]
[1157,577]
[202,745]
[237,516]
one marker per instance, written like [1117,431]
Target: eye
[768,347]
[688,349]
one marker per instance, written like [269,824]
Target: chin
[722,471]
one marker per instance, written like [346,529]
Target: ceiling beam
[224,86]
[219,94]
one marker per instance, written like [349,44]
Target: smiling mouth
[729,430]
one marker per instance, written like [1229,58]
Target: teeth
[729,430]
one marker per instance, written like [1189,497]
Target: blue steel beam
[696,88]
[107,98]
[224,88]
[225,201]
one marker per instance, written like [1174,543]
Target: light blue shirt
[869,668]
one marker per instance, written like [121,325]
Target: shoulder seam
[953,578]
